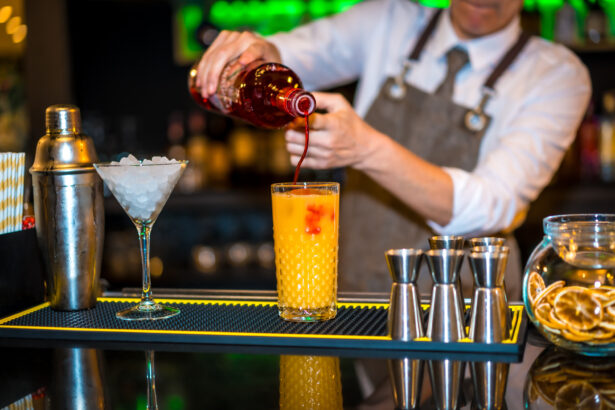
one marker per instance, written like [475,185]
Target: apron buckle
[476,119]
[397,89]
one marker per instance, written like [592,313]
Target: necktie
[456,58]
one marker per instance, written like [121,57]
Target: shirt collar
[483,51]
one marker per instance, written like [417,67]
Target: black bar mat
[357,325]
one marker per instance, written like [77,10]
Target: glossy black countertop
[39,374]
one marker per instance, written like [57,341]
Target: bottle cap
[64,148]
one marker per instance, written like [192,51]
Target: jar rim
[589,223]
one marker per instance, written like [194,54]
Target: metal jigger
[486,241]
[450,242]
[446,242]
[406,376]
[405,321]
[446,321]
[489,380]
[489,241]
[489,321]
[446,378]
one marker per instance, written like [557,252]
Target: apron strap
[503,64]
[507,60]
[420,44]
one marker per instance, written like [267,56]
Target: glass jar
[569,284]
[559,379]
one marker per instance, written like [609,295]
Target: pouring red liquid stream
[305,148]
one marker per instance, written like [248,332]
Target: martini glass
[142,188]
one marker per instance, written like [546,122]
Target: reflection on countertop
[127,376]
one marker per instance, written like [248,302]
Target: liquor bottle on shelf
[266,94]
[607,137]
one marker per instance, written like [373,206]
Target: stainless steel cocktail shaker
[68,206]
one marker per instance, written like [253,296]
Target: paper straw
[11,195]
[20,189]
[20,157]
[3,193]
[11,191]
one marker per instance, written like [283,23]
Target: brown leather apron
[373,220]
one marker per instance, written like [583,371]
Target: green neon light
[435,3]
[188,19]
[271,16]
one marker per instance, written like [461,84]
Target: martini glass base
[154,311]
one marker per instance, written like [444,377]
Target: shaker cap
[62,119]
[64,148]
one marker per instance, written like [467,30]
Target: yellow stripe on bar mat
[357,325]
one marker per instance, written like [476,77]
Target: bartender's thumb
[330,102]
[260,50]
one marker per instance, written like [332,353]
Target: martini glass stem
[144,229]
[152,400]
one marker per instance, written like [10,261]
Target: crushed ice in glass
[139,186]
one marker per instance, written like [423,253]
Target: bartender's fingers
[331,103]
[227,46]
[259,49]
[215,58]
[319,155]
[245,46]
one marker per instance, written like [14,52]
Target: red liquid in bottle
[269,95]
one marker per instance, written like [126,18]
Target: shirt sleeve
[331,51]
[529,151]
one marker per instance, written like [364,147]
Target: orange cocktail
[305,236]
[310,382]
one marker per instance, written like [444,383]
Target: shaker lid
[63,148]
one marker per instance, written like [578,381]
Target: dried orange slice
[578,308]
[610,301]
[573,337]
[577,395]
[555,321]
[535,285]
[608,321]
[597,333]
[548,290]
[599,295]
[543,315]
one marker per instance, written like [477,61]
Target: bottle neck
[296,102]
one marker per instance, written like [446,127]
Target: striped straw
[11,191]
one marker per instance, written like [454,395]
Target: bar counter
[42,373]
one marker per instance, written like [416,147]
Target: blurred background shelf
[125,64]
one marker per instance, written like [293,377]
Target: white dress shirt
[538,105]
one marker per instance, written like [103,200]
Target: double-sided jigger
[489,380]
[446,320]
[405,322]
[450,242]
[446,317]
[485,241]
[489,320]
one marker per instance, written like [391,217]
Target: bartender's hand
[227,46]
[341,138]
[338,138]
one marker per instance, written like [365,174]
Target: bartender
[459,121]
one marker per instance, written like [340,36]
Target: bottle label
[227,92]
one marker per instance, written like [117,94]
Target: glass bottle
[268,95]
